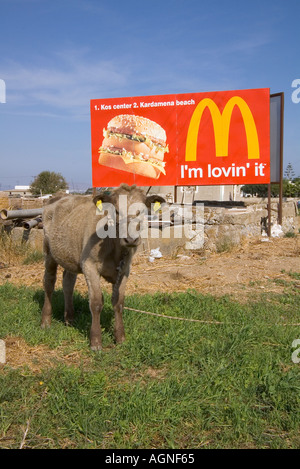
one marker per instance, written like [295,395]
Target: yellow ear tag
[157,206]
[99,205]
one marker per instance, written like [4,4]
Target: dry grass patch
[19,354]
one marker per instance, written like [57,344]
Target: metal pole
[32,223]
[281,161]
[280,180]
[30,213]
[269,210]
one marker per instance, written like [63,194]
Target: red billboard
[213,138]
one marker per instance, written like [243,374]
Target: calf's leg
[118,305]
[49,283]
[69,280]
[96,303]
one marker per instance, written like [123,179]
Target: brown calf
[74,238]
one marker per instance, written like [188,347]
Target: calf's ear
[152,199]
[102,197]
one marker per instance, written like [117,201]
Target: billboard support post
[269,210]
[277,117]
[281,161]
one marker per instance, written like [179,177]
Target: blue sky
[57,55]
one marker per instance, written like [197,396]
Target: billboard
[213,138]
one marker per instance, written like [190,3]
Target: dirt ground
[254,266]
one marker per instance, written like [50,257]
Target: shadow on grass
[82,315]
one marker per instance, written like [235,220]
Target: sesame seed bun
[131,124]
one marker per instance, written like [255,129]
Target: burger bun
[142,168]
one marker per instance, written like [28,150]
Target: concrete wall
[222,227]
[14,203]
[227,226]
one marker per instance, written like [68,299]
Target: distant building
[18,191]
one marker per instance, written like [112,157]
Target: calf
[96,242]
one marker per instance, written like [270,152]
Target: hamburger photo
[134,144]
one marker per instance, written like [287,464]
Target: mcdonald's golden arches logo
[221,124]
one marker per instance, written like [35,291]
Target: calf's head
[123,211]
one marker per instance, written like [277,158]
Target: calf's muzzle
[130,242]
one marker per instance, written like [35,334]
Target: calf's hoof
[45,324]
[95,340]
[96,348]
[120,340]
[69,318]
[69,322]
[96,343]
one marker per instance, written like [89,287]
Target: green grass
[171,384]
[290,234]
[294,275]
